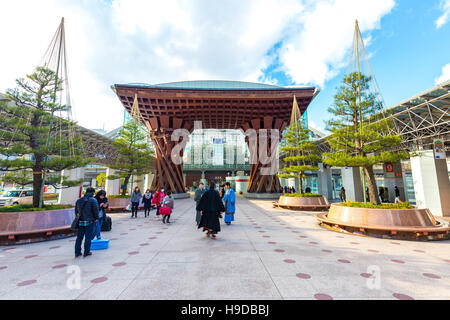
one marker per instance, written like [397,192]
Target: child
[168,202]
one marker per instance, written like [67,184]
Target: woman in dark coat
[147,201]
[102,201]
[210,207]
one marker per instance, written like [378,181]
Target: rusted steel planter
[294,203]
[408,224]
[35,226]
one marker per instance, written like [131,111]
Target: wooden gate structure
[218,105]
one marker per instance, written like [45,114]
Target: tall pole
[357,33]
[41,198]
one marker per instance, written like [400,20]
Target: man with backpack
[86,209]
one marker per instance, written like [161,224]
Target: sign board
[389,167]
[439,149]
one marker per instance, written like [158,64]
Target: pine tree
[21,178]
[360,134]
[302,153]
[134,153]
[32,137]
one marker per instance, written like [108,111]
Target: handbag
[74,225]
[76,221]
[164,210]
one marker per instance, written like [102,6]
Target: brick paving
[266,253]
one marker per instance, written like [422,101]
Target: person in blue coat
[230,203]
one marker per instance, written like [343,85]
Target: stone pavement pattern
[266,254]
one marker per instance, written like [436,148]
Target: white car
[16,196]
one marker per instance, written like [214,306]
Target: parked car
[16,196]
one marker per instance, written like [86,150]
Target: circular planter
[261,196]
[414,224]
[307,203]
[35,226]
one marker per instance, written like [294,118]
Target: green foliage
[302,153]
[119,197]
[29,207]
[354,139]
[302,195]
[32,137]
[400,205]
[361,136]
[134,153]
[21,178]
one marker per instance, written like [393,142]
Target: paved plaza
[266,254]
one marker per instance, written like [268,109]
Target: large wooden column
[168,175]
[258,182]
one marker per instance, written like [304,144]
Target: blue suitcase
[100,244]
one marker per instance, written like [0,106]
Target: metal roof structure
[95,145]
[419,119]
[218,104]
[214,85]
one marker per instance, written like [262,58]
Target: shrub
[302,195]
[400,205]
[29,207]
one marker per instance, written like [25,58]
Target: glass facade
[216,149]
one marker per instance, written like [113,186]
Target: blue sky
[407,55]
[284,42]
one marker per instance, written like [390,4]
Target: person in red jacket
[158,199]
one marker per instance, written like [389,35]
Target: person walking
[397,195]
[167,203]
[157,200]
[135,199]
[102,201]
[87,210]
[308,189]
[198,195]
[222,191]
[230,203]
[342,195]
[147,200]
[382,194]
[210,207]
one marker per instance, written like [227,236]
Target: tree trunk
[125,185]
[372,185]
[37,183]
[301,182]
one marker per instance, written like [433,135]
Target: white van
[16,196]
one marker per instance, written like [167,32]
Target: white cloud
[160,41]
[317,46]
[445,17]
[445,74]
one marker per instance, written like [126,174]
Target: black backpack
[107,224]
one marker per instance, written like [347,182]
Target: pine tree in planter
[302,154]
[360,134]
[33,137]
